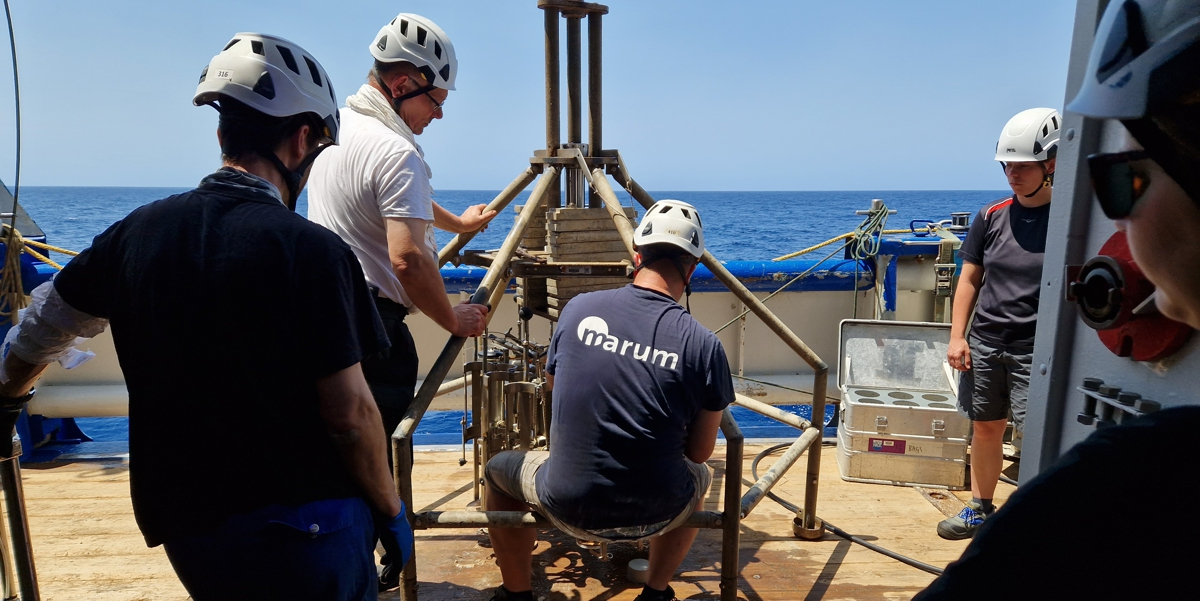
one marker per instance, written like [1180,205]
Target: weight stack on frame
[533,290]
[582,235]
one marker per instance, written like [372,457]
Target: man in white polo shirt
[374,192]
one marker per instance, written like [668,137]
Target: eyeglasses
[437,106]
[1117,183]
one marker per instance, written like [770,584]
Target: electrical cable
[834,529]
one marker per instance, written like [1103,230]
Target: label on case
[886,445]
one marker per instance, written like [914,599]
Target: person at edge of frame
[999,287]
[257,458]
[641,387]
[373,191]
[1082,529]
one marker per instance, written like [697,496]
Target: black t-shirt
[1009,240]
[1109,520]
[632,369]
[225,308]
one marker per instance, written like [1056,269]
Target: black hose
[834,529]
[12,40]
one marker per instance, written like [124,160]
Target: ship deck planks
[86,543]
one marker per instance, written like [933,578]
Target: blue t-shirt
[632,369]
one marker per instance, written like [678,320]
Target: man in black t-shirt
[257,457]
[639,389]
[1000,284]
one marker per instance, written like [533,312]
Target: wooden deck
[87,545]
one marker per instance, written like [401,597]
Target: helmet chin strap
[1047,181]
[396,101]
[292,178]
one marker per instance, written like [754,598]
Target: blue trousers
[322,551]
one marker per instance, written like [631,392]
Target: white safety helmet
[1031,135]
[417,40]
[271,75]
[672,222]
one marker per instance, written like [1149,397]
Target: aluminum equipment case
[899,421]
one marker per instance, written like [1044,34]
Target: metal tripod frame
[590,163]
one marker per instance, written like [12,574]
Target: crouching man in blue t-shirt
[639,387]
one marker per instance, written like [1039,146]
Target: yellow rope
[44,246]
[831,241]
[39,256]
[12,295]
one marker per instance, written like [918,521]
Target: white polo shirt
[373,174]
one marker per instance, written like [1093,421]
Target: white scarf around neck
[372,103]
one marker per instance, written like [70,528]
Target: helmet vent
[1045,130]
[382,44]
[312,70]
[695,239]
[1054,120]
[1037,148]
[204,74]
[393,21]
[288,59]
[421,35]
[404,27]
[445,72]
[686,213]
[1126,41]
[331,96]
[231,44]
[265,86]
[437,49]
[257,47]
[646,231]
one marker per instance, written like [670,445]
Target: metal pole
[813,528]
[731,512]
[451,250]
[574,81]
[553,96]
[402,462]
[764,485]
[17,523]
[595,92]
[772,412]
[599,182]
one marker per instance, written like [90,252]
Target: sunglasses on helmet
[1118,184]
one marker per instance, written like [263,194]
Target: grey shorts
[997,383]
[514,474]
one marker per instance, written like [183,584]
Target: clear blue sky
[699,95]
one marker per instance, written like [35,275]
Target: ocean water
[737,225]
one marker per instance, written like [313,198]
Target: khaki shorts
[514,474]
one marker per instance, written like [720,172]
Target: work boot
[964,524]
[649,594]
[503,594]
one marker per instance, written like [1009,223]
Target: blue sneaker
[964,524]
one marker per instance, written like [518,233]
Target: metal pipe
[759,491]
[595,82]
[514,189]
[451,386]
[731,511]
[574,80]
[17,523]
[599,183]
[812,525]
[772,412]
[553,126]
[402,462]
[427,520]
[505,254]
